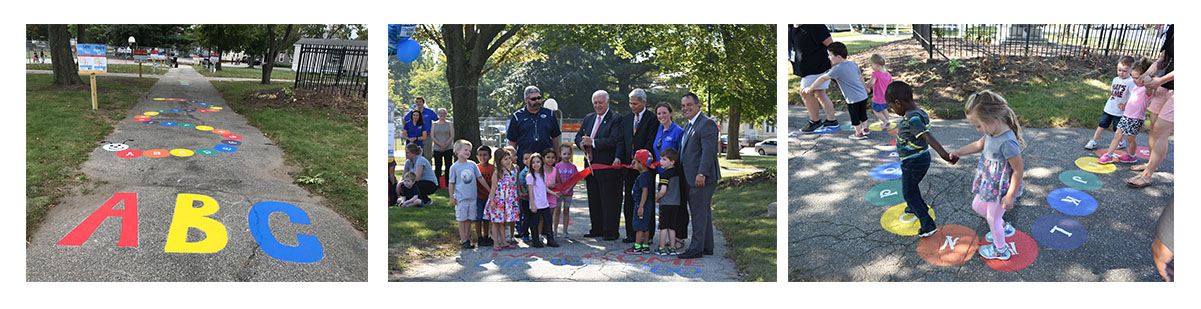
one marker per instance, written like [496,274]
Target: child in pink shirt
[879,81]
[1134,111]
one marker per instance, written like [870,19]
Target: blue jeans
[912,172]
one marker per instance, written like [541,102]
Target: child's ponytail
[988,105]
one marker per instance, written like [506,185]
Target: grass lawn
[1057,103]
[327,146]
[763,162]
[61,129]
[741,215]
[422,232]
[112,68]
[245,73]
[855,46]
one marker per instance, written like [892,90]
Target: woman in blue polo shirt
[415,131]
[669,134]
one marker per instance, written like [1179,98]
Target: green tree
[65,71]
[222,38]
[274,41]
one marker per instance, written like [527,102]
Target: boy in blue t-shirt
[644,196]
[913,146]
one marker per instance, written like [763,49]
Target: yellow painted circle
[181,152]
[876,126]
[150,113]
[215,107]
[1090,164]
[204,128]
[159,99]
[896,221]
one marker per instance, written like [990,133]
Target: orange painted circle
[141,117]
[893,132]
[221,131]
[156,153]
[952,245]
[1027,252]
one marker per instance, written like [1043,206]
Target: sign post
[139,56]
[92,60]
[215,58]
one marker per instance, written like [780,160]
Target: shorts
[1108,121]
[1130,126]
[1169,108]
[667,217]
[564,202]
[479,209]
[1158,100]
[879,107]
[808,80]
[465,210]
[858,111]
[642,223]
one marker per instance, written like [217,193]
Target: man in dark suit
[639,133]
[698,154]
[601,140]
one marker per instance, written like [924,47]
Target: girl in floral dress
[502,202]
[998,179]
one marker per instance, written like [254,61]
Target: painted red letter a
[129,221]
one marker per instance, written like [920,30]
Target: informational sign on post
[92,58]
[140,55]
[215,57]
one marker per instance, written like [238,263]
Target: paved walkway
[577,259]
[211,205]
[837,234]
[237,79]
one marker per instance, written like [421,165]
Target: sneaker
[427,203]
[830,124]
[992,253]
[813,125]
[1106,159]
[858,136]
[485,241]
[645,250]
[927,233]
[1122,143]
[907,211]
[1009,230]
[660,251]
[566,234]
[1127,159]
[632,250]
[672,251]
[1092,144]
[467,245]
[866,131]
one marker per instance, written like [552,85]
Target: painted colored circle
[182,152]
[1080,180]
[886,193]
[887,171]
[204,128]
[1143,152]
[221,131]
[824,130]
[232,136]
[896,221]
[1059,232]
[187,125]
[151,122]
[1103,151]
[1090,164]
[202,103]
[231,142]
[877,127]
[845,126]
[215,107]
[141,119]
[150,113]
[1026,250]
[206,152]
[893,142]
[156,153]
[176,110]
[1072,202]
[189,110]
[894,132]
[161,111]
[952,245]
[168,123]
[889,155]
[202,110]
[129,153]
[225,148]
[159,99]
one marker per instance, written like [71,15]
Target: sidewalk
[290,235]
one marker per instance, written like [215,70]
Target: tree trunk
[273,47]
[467,50]
[218,64]
[65,71]
[734,109]
[81,34]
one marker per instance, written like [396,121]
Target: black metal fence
[336,69]
[960,41]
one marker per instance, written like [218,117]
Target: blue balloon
[408,51]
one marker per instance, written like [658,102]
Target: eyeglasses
[535,98]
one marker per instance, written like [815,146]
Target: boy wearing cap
[644,193]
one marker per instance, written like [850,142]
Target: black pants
[609,181]
[596,216]
[913,171]
[442,161]
[392,196]
[424,189]
[541,218]
[858,111]
[627,189]
[523,220]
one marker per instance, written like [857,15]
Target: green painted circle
[206,152]
[162,111]
[1081,180]
[887,193]
[187,125]
[846,126]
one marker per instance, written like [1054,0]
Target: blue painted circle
[231,142]
[176,110]
[1058,232]
[151,122]
[168,123]
[202,103]
[888,155]
[887,171]
[824,130]
[1072,202]
[225,148]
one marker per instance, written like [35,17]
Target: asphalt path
[835,234]
[251,174]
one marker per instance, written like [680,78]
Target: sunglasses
[535,98]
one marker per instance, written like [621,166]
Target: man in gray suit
[698,154]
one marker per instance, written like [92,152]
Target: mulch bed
[352,106]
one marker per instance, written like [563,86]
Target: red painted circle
[203,110]
[893,142]
[221,131]
[1143,152]
[1102,151]
[157,153]
[129,153]
[141,119]
[1027,250]
[232,136]
[952,245]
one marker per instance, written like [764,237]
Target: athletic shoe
[911,213]
[991,252]
[1122,144]
[1092,144]
[632,250]
[1106,159]
[858,137]
[467,245]
[813,125]
[830,123]
[866,131]
[1127,159]
[485,241]
[672,251]
[927,233]
[1009,230]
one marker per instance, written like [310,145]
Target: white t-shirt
[1119,92]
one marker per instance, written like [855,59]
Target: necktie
[596,126]
[687,134]
[637,119]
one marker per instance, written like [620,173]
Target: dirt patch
[355,107]
[767,176]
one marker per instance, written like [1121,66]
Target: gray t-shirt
[427,171]
[1001,147]
[463,176]
[671,178]
[847,76]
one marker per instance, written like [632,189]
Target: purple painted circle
[1072,202]
[225,148]
[189,110]
[887,171]
[168,123]
[151,122]
[231,142]
[1059,232]
[888,155]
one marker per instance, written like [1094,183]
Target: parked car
[766,147]
[742,143]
